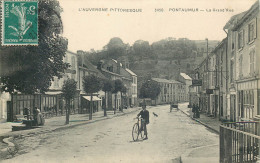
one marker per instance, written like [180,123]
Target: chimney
[80,57]
[80,52]
[124,64]
[118,67]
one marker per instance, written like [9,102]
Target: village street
[172,135]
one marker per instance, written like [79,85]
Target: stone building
[172,91]
[113,70]
[86,68]
[247,53]
[184,78]
[230,75]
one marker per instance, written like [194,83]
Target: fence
[246,126]
[239,143]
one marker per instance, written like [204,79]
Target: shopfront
[86,104]
[50,104]
[248,93]
[46,103]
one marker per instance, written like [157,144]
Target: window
[233,34]
[73,62]
[240,65]
[248,104]
[221,76]
[231,71]
[233,46]
[251,31]
[215,77]
[241,39]
[252,61]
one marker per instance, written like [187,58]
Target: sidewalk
[209,122]
[202,154]
[54,123]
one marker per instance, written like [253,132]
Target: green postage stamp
[19,22]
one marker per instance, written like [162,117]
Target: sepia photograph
[129,81]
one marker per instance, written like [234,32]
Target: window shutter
[248,33]
[255,32]
[243,35]
[237,38]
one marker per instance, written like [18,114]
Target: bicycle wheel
[135,131]
[142,133]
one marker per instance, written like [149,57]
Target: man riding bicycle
[145,119]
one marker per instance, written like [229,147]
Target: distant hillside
[164,58]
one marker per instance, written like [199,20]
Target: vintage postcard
[130,81]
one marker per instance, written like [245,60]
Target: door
[9,111]
[233,107]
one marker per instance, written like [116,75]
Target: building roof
[116,62]
[89,66]
[115,74]
[233,19]
[160,80]
[130,72]
[185,76]
[246,14]
[223,42]
[68,51]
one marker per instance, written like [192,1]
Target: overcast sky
[93,29]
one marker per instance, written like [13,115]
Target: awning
[94,98]
[53,93]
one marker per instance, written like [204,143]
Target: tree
[118,85]
[107,87]
[91,84]
[115,48]
[142,48]
[69,89]
[123,91]
[35,66]
[150,89]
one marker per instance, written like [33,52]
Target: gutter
[226,67]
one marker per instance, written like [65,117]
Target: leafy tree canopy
[116,48]
[36,66]
[69,89]
[107,86]
[118,86]
[92,84]
[150,89]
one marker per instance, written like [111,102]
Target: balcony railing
[239,143]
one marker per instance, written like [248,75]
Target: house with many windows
[246,70]
[86,68]
[184,78]
[241,144]
[113,70]
[172,91]
[51,102]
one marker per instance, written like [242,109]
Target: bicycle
[136,131]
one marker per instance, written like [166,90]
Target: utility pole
[207,72]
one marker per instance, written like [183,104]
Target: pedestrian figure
[197,111]
[35,114]
[145,120]
[27,113]
[38,117]
[194,110]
